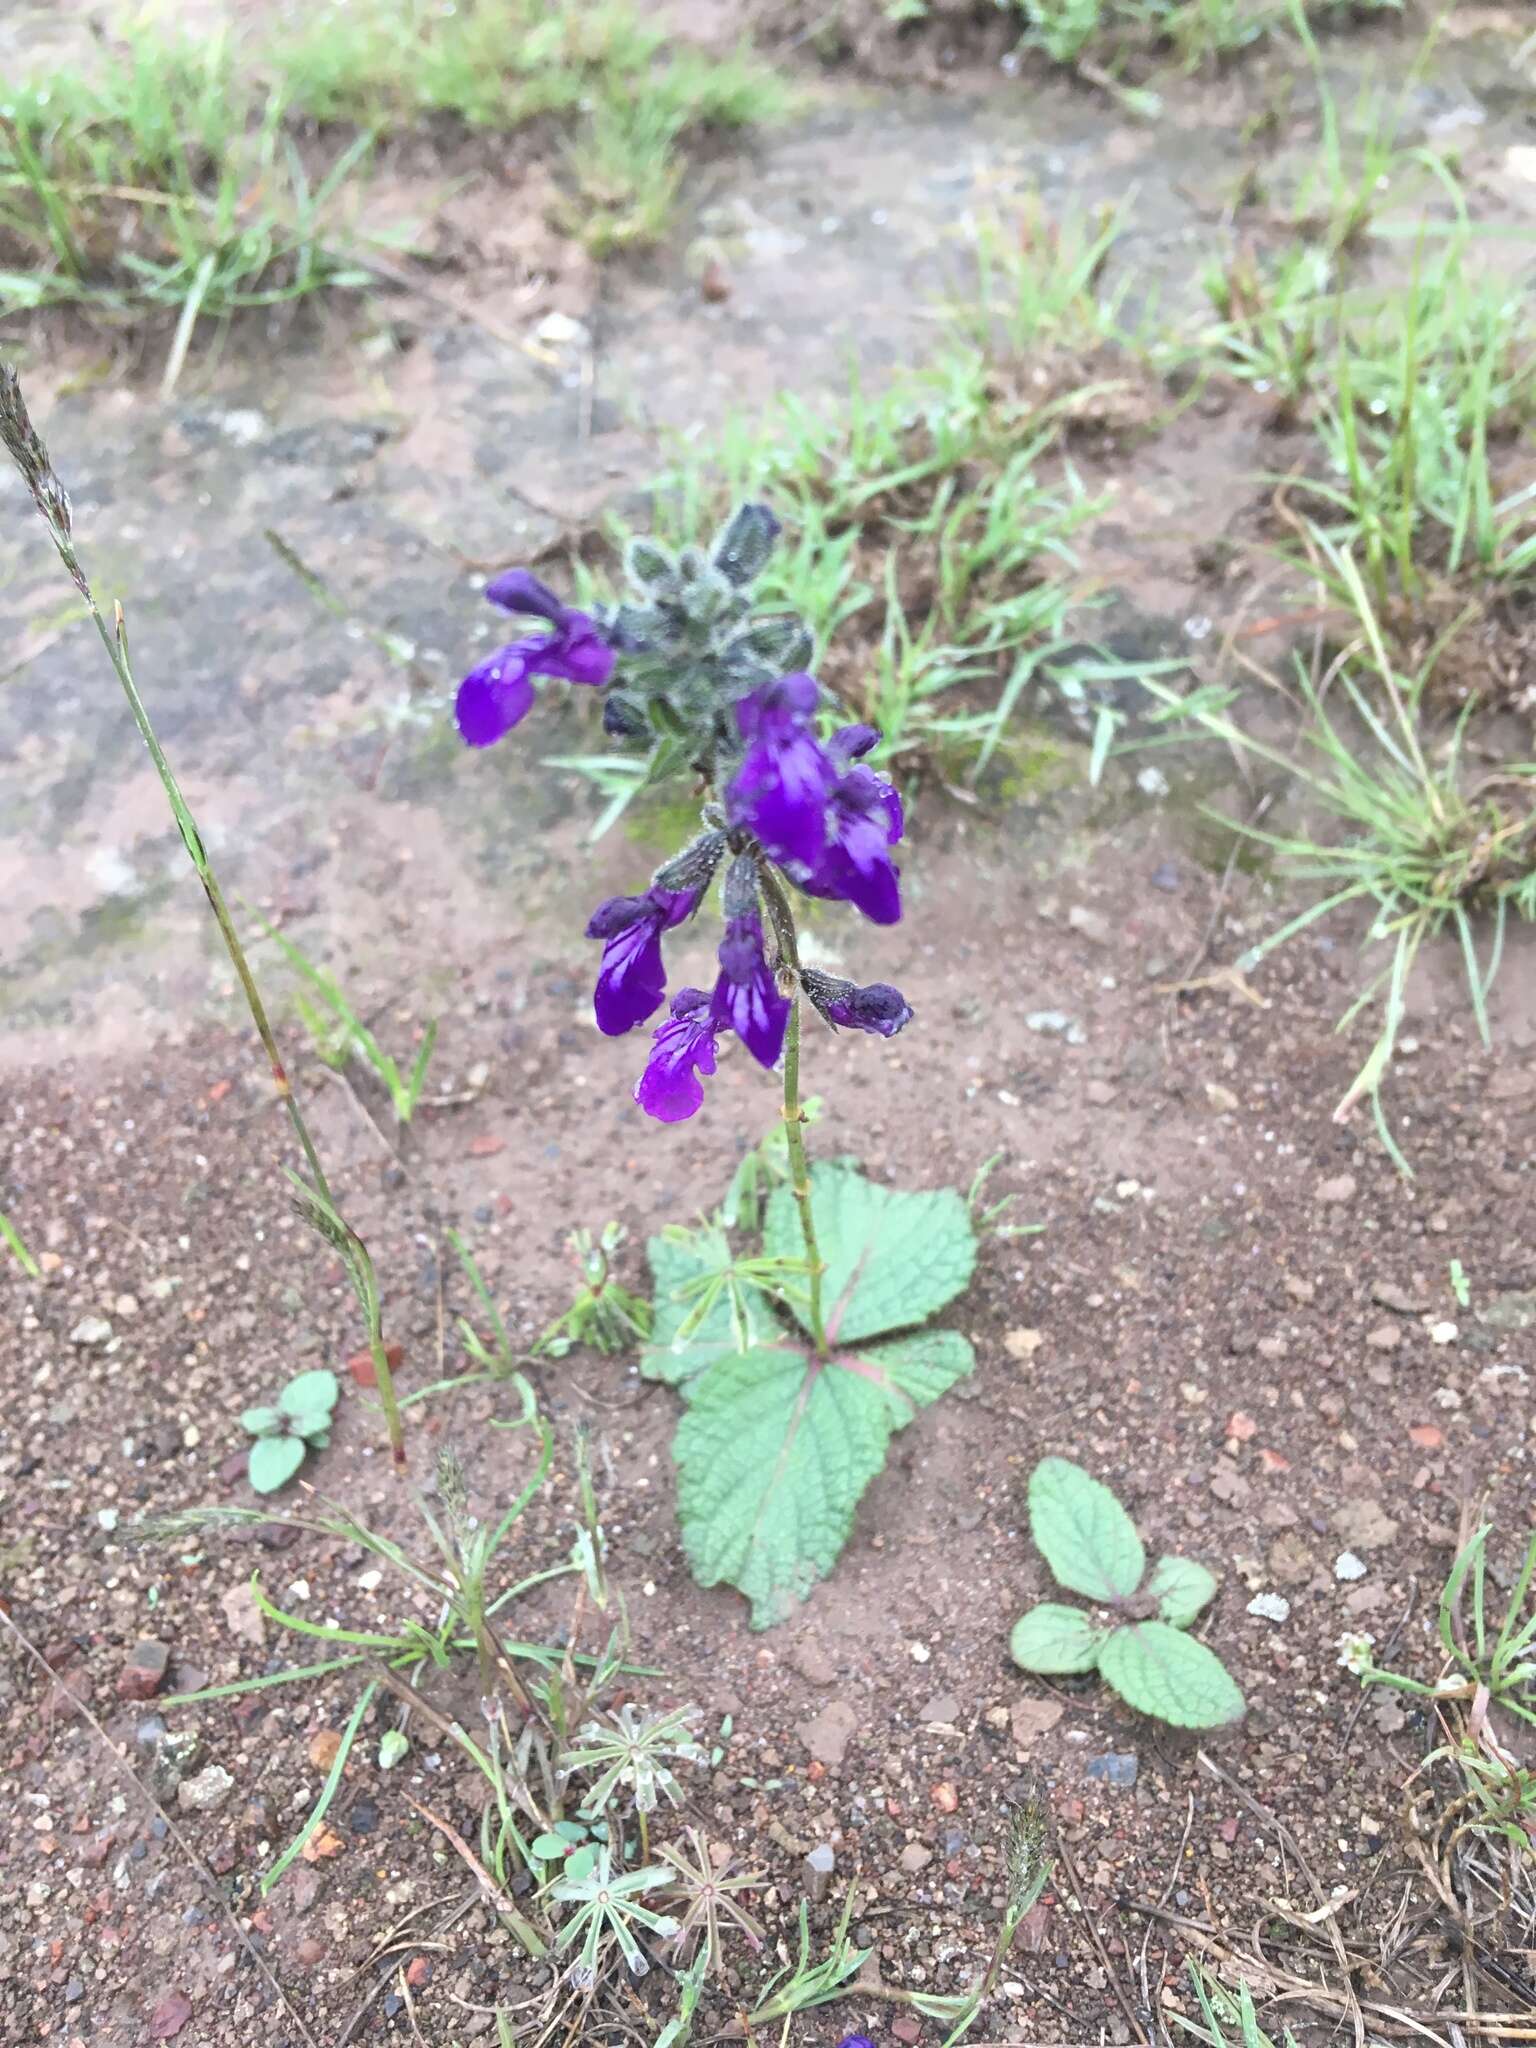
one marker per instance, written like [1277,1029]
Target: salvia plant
[780,1437]
[1138,1642]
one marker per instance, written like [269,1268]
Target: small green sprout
[301,1421]
[1139,1646]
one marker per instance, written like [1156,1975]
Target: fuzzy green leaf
[776,1450]
[674,1264]
[1083,1533]
[893,1259]
[580,1864]
[1055,1639]
[262,1421]
[307,1391]
[1181,1589]
[1163,1672]
[314,1425]
[273,1461]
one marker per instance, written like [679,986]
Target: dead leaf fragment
[322,1845]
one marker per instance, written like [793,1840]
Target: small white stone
[920,1652]
[1347,1566]
[1443,1333]
[1270,1607]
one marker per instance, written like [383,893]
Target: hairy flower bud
[693,868]
[744,543]
[879,1008]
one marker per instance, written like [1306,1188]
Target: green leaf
[674,1264]
[1083,1533]
[550,1848]
[1056,1639]
[776,1449]
[392,1747]
[262,1421]
[1163,1672]
[273,1461]
[313,1425]
[307,1391]
[580,1864]
[893,1259]
[571,1830]
[1181,1588]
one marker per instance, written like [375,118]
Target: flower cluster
[729,697]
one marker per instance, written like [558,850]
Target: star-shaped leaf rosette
[783,1431]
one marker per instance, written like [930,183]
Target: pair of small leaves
[301,1418]
[567,1844]
[776,1447]
[1091,1546]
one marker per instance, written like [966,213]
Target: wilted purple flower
[746,997]
[780,791]
[496,695]
[683,1048]
[879,1008]
[632,980]
[864,821]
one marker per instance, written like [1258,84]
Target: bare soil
[1237,1312]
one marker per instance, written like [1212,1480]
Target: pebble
[1385,1338]
[944,1707]
[1094,927]
[91,1332]
[1348,1566]
[144,1673]
[827,1736]
[1270,1607]
[813,1663]
[819,1866]
[1115,1767]
[915,1857]
[1056,1024]
[207,1792]
[1341,1188]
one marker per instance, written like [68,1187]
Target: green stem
[782,918]
[800,1173]
[48,494]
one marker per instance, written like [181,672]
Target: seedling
[340,1035]
[14,1242]
[708,1895]
[298,1424]
[1139,1645]
[608,1910]
[604,1314]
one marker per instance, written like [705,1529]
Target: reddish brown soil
[1209,1334]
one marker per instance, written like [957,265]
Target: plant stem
[48,494]
[782,918]
[800,1172]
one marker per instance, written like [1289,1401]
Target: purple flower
[746,998]
[864,821]
[631,980]
[780,791]
[879,1008]
[496,695]
[856,2041]
[683,1048]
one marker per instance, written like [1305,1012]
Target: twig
[1070,1867]
[120,1765]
